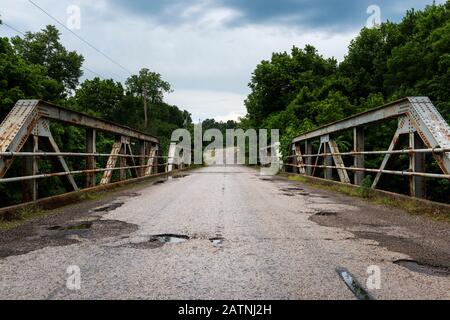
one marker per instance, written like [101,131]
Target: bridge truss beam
[417,117]
[27,128]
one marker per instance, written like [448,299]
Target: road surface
[250,237]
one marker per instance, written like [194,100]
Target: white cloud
[204,104]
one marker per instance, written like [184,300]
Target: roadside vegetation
[412,206]
[300,90]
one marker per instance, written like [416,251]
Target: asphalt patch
[326,214]
[62,235]
[424,268]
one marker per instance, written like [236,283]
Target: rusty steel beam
[417,117]
[91,139]
[353,153]
[308,150]
[54,112]
[382,113]
[65,174]
[30,168]
[339,162]
[111,164]
[393,172]
[358,146]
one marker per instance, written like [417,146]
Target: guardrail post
[30,168]
[90,160]
[358,146]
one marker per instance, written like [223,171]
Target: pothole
[110,207]
[319,196]
[326,214]
[288,194]
[133,195]
[151,244]
[82,226]
[160,181]
[424,268]
[216,241]
[181,176]
[292,189]
[353,284]
[171,238]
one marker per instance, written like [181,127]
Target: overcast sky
[207,49]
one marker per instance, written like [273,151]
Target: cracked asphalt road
[281,240]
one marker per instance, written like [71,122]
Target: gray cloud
[332,15]
[207,49]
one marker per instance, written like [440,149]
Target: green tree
[148,85]
[45,49]
[20,79]
[101,98]
[275,83]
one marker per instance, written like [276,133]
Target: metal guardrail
[417,117]
[28,125]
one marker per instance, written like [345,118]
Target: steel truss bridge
[25,132]
[418,119]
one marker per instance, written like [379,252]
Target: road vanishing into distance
[225,233]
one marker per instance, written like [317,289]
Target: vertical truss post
[358,146]
[308,151]
[123,160]
[142,159]
[298,159]
[293,159]
[156,159]
[417,185]
[420,166]
[90,160]
[328,162]
[328,172]
[30,168]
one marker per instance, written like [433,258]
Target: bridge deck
[281,240]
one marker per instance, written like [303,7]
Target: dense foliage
[38,66]
[298,91]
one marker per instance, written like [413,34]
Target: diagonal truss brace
[343,175]
[404,127]
[112,160]
[42,130]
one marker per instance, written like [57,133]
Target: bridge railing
[26,131]
[317,152]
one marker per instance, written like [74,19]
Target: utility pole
[144,93]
